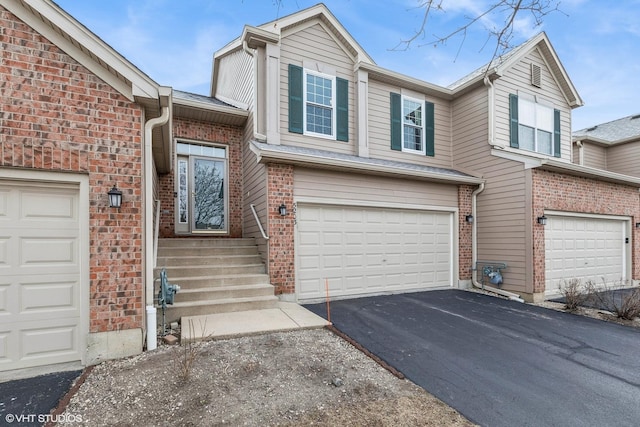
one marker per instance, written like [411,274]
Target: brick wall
[464,236]
[556,191]
[281,229]
[229,136]
[57,116]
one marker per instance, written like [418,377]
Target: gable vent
[536,79]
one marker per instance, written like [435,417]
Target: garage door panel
[40,263]
[382,250]
[584,248]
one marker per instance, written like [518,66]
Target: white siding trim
[372,204]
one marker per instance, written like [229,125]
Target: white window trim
[422,141]
[537,101]
[333,104]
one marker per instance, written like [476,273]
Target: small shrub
[574,293]
[189,353]
[625,303]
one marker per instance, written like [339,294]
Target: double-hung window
[412,125]
[534,126]
[318,104]
[319,101]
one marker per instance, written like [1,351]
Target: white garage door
[362,250]
[39,275]
[584,249]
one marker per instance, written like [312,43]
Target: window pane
[412,112]
[318,90]
[526,138]
[544,142]
[526,112]
[412,138]
[544,118]
[319,119]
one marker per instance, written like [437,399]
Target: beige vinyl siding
[595,156]
[374,190]
[470,133]
[315,44]
[624,159]
[235,78]
[380,129]
[519,78]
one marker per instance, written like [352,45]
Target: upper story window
[319,99]
[318,104]
[412,125]
[534,126]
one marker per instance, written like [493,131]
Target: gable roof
[501,64]
[272,31]
[618,131]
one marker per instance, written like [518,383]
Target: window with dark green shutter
[318,104]
[533,125]
[412,125]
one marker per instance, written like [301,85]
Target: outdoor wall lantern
[115,197]
[542,220]
[637,224]
[282,210]
[469,219]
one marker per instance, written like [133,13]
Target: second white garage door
[585,249]
[363,250]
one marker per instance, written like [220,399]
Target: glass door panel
[207,194]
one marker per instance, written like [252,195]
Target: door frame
[187,228]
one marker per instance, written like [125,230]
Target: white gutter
[148,225]
[474,253]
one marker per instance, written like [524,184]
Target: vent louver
[536,78]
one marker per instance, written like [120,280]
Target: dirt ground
[307,377]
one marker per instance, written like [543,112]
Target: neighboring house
[362,180]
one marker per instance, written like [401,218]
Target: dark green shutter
[396,122]
[342,109]
[296,115]
[429,129]
[556,133]
[513,122]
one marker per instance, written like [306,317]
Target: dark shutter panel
[556,133]
[396,122]
[429,129]
[342,109]
[513,122]
[295,99]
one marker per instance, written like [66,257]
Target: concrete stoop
[215,276]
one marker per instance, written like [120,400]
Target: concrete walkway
[287,316]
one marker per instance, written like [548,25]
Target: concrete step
[174,272]
[197,308]
[211,242]
[219,281]
[202,251]
[214,260]
[224,292]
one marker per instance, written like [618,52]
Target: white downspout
[580,153]
[148,225]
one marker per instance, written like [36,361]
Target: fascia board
[404,80]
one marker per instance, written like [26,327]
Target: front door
[201,205]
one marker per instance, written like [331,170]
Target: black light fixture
[542,220]
[282,210]
[115,197]
[469,219]
[637,224]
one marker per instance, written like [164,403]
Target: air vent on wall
[536,78]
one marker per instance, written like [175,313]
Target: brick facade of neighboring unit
[55,115]
[556,191]
[231,138]
[464,236]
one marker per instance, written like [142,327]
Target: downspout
[580,153]
[257,136]
[491,108]
[148,225]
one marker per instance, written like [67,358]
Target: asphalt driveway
[499,362]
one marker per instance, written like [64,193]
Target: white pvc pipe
[152,341]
